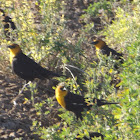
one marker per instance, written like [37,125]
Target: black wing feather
[76,104]
[28,69]
[108,51]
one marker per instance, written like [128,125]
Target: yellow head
[14,50]
[98,43]
[60,93]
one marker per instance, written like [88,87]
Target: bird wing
[9,20]
[28,69]
[109,51]
[41,72]
[75,102]
[23,67]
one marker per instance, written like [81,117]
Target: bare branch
[77,69]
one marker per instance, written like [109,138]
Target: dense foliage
[42,35]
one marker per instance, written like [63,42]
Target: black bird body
[28,69]
[25,67]
[91,135]
[109,51]
[76,104]
[8,24]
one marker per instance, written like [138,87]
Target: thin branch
[19,94]
[25,85]
[77,69]
[72,76]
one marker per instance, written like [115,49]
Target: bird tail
[101,102]
[96,134]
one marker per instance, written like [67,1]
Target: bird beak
[10,46]
[64,89]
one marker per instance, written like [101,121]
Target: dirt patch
[17,114]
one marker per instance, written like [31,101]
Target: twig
[19,94]
[71,74]
[77,69]
[24,87]
[72,77]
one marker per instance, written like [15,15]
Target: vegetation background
[57,34]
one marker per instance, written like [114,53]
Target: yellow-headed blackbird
[102,47]
[91,135]
[8,24]
[75,103]
[27,68]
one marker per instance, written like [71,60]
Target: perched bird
[8,25]
[25,67]
[91,135]
[102,47]
[75,103]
